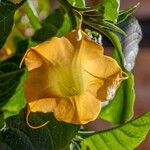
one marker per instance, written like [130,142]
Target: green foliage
[7,11]
[65,28]
[77,3]
[110,9]
[100,24]
[9,79]
[55,136]
[124,14]
[11,89]
[17,100]
[68,8]
[124,137]
[52,27]
[12,81]
[120,109]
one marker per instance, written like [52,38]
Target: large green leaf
[110,9]
[121,108]
[54,136]
[9,79]
[125,137]
[65,28]
[16,101]
[7,11]
[11,90]
[12,81]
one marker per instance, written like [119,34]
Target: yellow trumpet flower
[70,76]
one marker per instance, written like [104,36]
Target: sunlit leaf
[65,28]
[125,137]
[17,101]
[110,9]
[77,3]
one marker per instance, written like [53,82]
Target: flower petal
[32,60]
[85,50]
[41,83]
[103,71]
[78,109]
[83,44]
[57,50]
[43,105]
[70,76]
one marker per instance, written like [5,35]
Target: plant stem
[33,19]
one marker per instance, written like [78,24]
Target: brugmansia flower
[70,76]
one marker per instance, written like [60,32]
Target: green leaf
[105,25]
[121,108]
[68,9]
[45,33]
[54,136]
[125,137]
[53,18]
[77,3]
[50,27]
[124,14]
[65,28]
[110,9]
[9,80]
[110,26]
[7,11]
[16,101]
